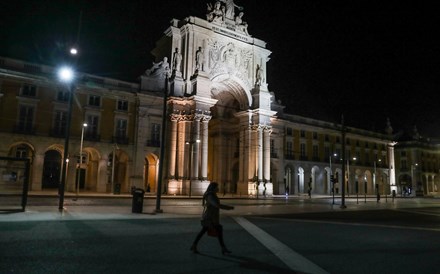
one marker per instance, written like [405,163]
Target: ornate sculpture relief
[160,69]
[227,58]
[224,15]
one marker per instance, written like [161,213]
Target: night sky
[367,60]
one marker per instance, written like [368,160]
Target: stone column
[180,148]
[391,167]
[204,140]
[196,142]
[267,179]
[173,147]
[37,172]
[260,160]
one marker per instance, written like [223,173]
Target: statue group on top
[220,13]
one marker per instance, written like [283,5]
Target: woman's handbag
[212,231]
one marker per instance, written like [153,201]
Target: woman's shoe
[226,251]
[194,249]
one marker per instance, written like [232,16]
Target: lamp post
[343,164]
[66,75]
[80,159]
[413,167]
[162,145]
[332,180]
[115,147]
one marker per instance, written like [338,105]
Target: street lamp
[115,147]
[332,180]
[413,167]
[162,144]
[80,160]
[66,75]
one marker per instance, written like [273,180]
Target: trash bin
[117,189]
[138,200]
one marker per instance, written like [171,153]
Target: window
[327,138]
[63,95]
[21,151]
[403,153]
[338,153]
[154,135]
[303,133]
[121,128]
[303,150]
[26,118]
[337,139]
[92,127]
[327,152]
[272,149]
[289,131]
[403,164]
[29,90]
[315,135]
[59,126]
[94,100]
[122,105]
[315,151]
[289,149]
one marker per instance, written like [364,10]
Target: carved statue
[177,59]
[215,14]
[199,59]
[241,25]
[230,8]
[161,68]
[258,76]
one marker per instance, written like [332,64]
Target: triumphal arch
[218,106]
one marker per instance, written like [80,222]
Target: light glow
[66,74]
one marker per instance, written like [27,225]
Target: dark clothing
[211,217]
[211,213]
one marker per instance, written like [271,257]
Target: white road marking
[292,259]
[356,224]
[418,212]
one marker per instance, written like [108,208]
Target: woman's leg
[198,237]
[225,250]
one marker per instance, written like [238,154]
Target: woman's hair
[211,187]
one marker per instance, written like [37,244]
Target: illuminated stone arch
[151,169]
[301,180]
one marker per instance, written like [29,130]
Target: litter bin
[117,189]
[138,200]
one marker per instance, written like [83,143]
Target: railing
[153,143]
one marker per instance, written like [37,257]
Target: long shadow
[10,211]
[250,263]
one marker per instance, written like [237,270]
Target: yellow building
[222,123]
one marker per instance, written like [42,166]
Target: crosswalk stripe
[292,259]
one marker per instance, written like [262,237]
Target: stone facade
[221,124]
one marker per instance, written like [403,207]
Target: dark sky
[367,60]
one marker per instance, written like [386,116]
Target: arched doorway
[51,169]
[150,172]
[300,180]
[288,176]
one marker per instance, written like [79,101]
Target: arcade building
[207,103]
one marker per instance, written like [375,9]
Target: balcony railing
[92,137]
[58,133]
[153,143]
[289,157]
[123,140]
[24,129]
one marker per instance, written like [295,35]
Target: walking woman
[211,217]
